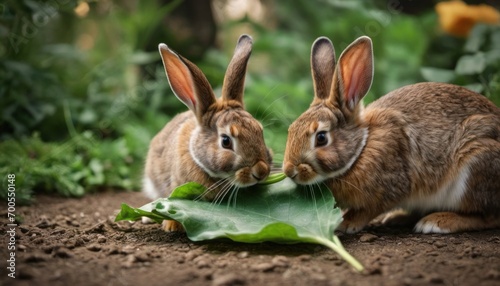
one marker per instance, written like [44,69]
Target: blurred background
[83,91]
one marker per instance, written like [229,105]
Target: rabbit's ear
[322,67]
[354,73]
[187,81]
[234,80]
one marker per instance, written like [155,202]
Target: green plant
[64,107]
[282,212]
[70,168]
[30,91]
[477,64]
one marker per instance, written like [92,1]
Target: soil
[63,241]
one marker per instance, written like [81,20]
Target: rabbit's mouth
[302,174]
[246,181]
[248,176]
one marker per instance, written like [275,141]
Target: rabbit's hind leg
[479,207]
[450,222]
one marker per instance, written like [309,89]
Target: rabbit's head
[327,139]
[227,142]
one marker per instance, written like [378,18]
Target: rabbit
[430,149]
[216,143]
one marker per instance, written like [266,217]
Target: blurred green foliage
[475,62]
[71,168]
[81,97]
[75,120]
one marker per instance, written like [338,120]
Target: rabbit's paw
[172,225]
[354,221]
[399,218]
[450,222]
[441,222]
[350,227]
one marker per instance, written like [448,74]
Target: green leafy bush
[30,90]
[76,120]
[476,64]
[72,168]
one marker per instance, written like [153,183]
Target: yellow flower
[457,18]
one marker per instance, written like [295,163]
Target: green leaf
[129,213]
[495,38]
[276,232]
[437,75]
[477,38]
[188,191]
[476,87]
[492,56]
[471,64]
[282,212]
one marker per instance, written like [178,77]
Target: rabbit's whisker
[232,196]
[225,189]
[210,189]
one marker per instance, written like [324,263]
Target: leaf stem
[342,252]
[273,178]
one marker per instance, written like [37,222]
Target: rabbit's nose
[258,177]
[260,171]
[290,170]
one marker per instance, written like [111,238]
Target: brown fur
[431,148]
[189,148]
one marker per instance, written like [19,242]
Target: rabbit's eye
[321,139]
[226,142]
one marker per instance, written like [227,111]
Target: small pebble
[63,253]
[202,263]
[305,257]
[435,279]
[192,254]
[113,250]
[44,224]
[101,239]
[94,247]
[493,274]
[264,267]
[34,258]
[128,249]
[243,254]
[97,228]
[368,237]
[228,280]
[142,257]
[280,261]
[432,253]
[58,231]
[38,240]
[129,261]
[439,244]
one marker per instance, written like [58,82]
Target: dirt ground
[75,242]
